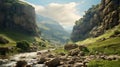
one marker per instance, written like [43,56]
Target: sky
[66,12]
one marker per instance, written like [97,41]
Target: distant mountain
[51,29]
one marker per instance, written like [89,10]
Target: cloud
[65,14]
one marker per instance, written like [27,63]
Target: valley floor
[52,59]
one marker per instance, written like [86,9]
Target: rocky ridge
[97,20]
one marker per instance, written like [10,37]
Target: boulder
[62,54]
[42,60]
[74,52]
[28,66]
[39,53]
[53,62]
[3,40]
[70,46]
[21,64]
[66,65]
[63,58]
[78,64]
[71,62]
[81,53]
[50,56]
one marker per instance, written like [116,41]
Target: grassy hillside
[104,43]
[11,41]
[107,34]
[16,36]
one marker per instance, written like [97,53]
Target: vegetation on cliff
[97,20]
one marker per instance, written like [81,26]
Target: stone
[62,54]
[103,57]
[78,64]
[50,56]
[63,58]
[61,63]
[28,66]
[39,65]
[74,52]
[81,53]
[21,64]
[70,46]
[53,62]
[42,60]
[71,62]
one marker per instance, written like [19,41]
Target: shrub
[116,32]
[42,44]
[83,48]
[24,45]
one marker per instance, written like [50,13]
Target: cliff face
[17,16]
[109,15]
[97,20]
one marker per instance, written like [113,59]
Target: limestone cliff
[109,13]
[17,16]
[97,20]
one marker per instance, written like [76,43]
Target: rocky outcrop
[17,16]
[97,20]
[110,16]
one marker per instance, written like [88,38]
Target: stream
[31,58]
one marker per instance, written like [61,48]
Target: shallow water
[31,58]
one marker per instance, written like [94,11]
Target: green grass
[16,36]
[108,46]
[8,45]
[4,36]
[104,63]
[60,50]
[107,34]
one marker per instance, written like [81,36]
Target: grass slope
[104,63]
[14,36]
[107,46]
